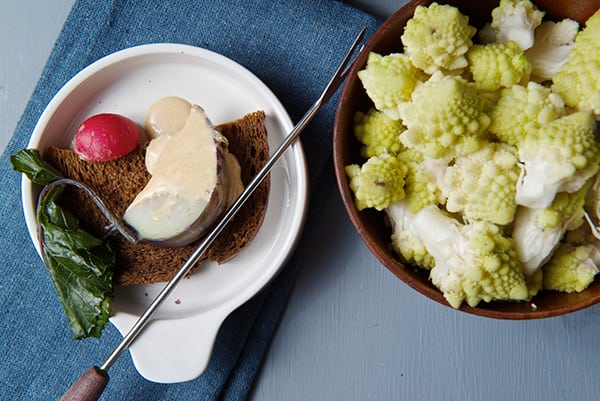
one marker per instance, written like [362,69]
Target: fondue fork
[90,385]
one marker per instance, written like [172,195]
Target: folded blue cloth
[294,47]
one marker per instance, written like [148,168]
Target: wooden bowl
[370,223]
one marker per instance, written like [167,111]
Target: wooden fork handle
[88,387]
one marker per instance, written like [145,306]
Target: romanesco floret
[578,82]
[420,182]
[534,283]
[559,157]
[407,245]
[592,208]
[537,232]
[551,48]
[482,184]
[521,109]
[445,117]
[389,81]
[566,209]
[571,269]
[498,65]
[586,234]
[378,183]
[473,262]
[516,20]
[378,133]
[437,38]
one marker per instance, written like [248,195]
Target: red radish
[105,137]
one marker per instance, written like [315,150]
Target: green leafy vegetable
[79,263]
[30,163]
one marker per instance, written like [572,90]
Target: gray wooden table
[351,330]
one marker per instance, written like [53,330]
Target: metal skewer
[92,382]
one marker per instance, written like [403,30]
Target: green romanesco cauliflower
[558,157]
[587,233]
[521,109]
[514,20]
[473,262]
[404,242]
[437,38]
[482,184]
[537,232]
[390,80]
[420,182]
[378,183]
[378,133]
[567,208]
[571,269]
[534,283]
[445,116]
[578,82]
[498,65]
[592,209]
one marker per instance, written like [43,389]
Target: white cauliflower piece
[551,48]
[516,20]
[404,241]
[537,232]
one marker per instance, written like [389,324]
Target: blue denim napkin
[294,46]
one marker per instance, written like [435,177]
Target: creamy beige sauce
[233,181]
[183,161]
[166,115]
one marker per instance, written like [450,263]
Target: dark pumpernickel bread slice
[118,182]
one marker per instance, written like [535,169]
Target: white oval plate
[176,346]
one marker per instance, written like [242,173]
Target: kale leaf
[80,264]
